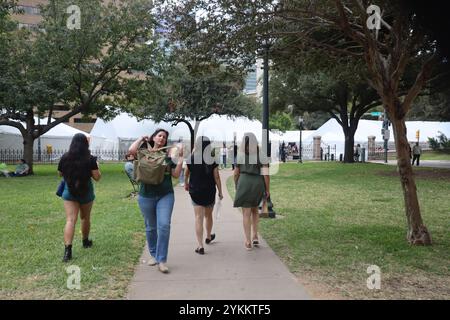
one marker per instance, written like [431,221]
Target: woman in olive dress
[251,179]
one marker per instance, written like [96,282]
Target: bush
[434,144]
[444,141]
[441,143]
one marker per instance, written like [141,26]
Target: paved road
[423,163]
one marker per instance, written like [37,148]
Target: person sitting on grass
[129,165]
[22,170]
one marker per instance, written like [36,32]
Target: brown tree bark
[28,142]
[417,232]
[349,156]
[29,136]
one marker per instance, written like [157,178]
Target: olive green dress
[250,186]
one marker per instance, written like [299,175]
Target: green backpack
[150,166]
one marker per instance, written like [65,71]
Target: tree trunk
[349,147]
[194,133]
[28,142]
[417,231]
[349,133]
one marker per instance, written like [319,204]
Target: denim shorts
[89,197]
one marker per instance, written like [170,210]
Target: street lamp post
[265,113]
[39,139]
[385,133]
[265,120]
[234,151]
[300,125]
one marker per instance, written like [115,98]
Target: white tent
[58,137]
[332,134]
[294,136]
[222,128]
[120,132]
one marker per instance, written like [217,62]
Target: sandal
[248,246]
[256,242]
[200,250]
[213,236]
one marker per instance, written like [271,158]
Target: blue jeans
[157,213]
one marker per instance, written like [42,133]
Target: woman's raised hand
[180,150]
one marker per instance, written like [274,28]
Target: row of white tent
[58,137]
[119,133]
[332,134]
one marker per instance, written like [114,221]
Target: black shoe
[67,253]
[200,250]
[213,236]
[87,243]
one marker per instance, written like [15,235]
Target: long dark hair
[201,145]
[152,143]
[250,149]
[76,168]
[250,144]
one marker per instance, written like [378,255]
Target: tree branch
[421,79]
[334,116]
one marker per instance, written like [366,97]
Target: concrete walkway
[423,163]
[226,272]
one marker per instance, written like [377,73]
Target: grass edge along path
[336,220]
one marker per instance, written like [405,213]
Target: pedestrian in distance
[235,152]
[223,152]
[417,151]
[283,152]
[357,152]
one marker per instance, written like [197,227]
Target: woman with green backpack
[154,170]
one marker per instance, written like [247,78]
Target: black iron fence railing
[11,156]
[328,152]
[325,153]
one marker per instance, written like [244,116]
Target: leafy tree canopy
[86,70]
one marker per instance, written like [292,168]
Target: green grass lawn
[434,155]
[335,220]
[32,220]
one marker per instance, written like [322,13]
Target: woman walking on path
[201,181]
[156,201]
[77,167]
[251,179]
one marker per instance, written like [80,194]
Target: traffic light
[417,134]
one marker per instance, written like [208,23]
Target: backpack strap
[163,148]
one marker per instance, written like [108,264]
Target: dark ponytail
[76,165]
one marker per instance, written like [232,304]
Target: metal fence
[10,156]
[327,152]
[378,153]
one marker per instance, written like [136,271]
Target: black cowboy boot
[67,253]
[87,243]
